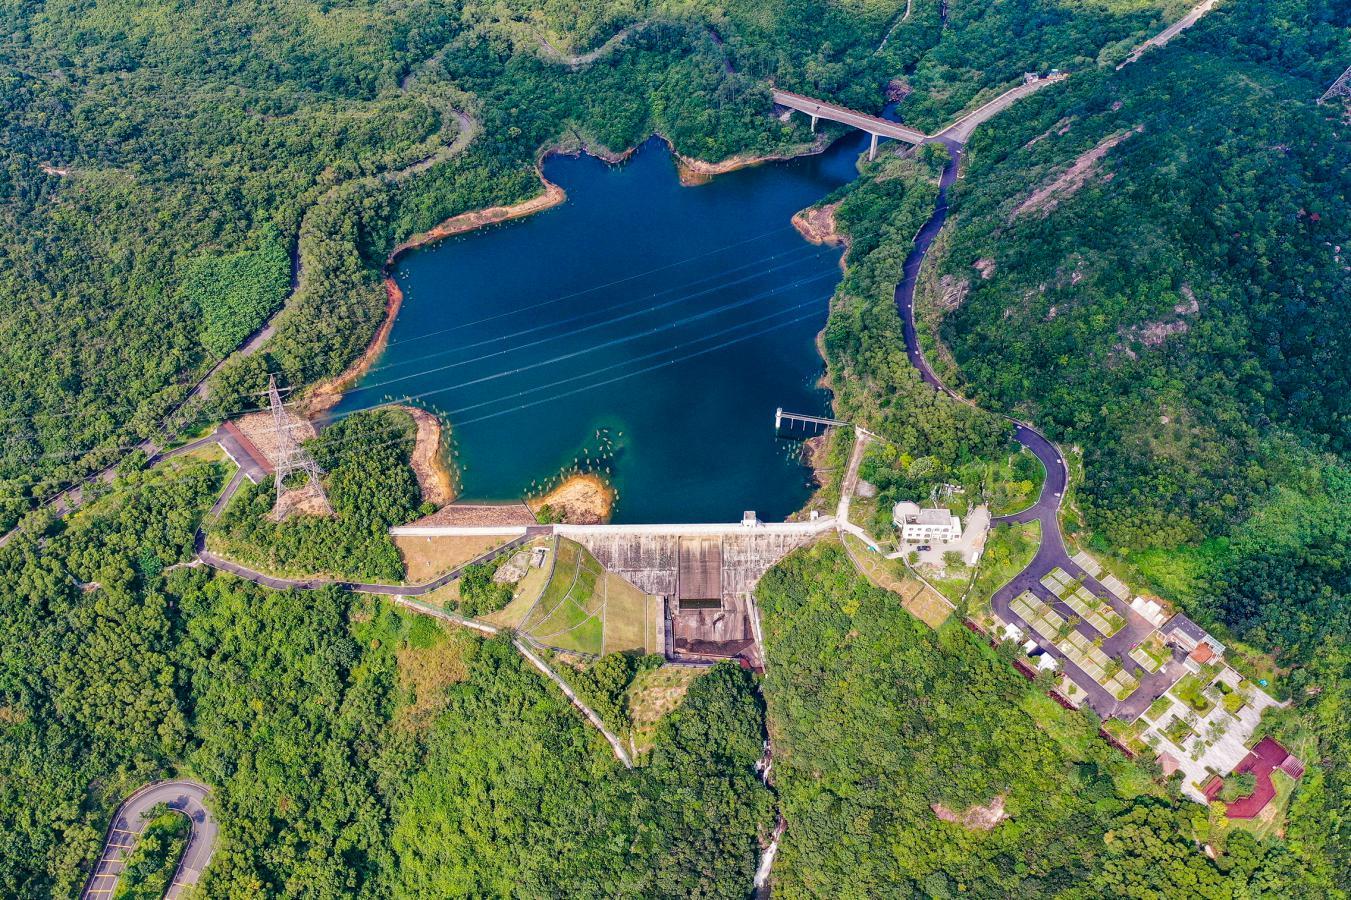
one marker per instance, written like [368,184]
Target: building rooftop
[1265,758]
[904,509]
[934,517]
[1183,625]
[1203,653]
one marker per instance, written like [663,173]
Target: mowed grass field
[586,609]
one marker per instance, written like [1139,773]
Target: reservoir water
[642,328]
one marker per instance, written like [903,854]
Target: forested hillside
[351,750]
[159,166]
[1153,264]
[882,726]
[1150,263]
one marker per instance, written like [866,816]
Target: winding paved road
[1046,510]
[131,818]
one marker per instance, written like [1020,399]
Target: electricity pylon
[291,457]
[1340,88]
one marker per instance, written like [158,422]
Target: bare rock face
[954,292]
[1067,183]
[975,818]
[1155,333]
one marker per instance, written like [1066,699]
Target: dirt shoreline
[582,499]
[817,224]
[428,461]
[326,394]
[694,172]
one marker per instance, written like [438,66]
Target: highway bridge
[820,109]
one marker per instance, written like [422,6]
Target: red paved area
[1267,756]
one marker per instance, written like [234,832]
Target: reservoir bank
[642,329]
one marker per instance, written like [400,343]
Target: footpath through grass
[920,600]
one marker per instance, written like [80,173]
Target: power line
[464,325]
[590,348]
[759,273]
[598,287]
[676,323]
[798,255]
[359,442]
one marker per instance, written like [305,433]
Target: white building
[919,526]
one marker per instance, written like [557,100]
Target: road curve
[1051,553]
[131,818]
[1057,471]
[1046,509]
[961,129]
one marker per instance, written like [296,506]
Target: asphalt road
[961,129]
[1046,510]
[131,818]
[836,113]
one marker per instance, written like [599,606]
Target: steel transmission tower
[291,457]
[1340,88]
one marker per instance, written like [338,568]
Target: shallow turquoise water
[642,328]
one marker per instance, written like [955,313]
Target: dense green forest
[351,749]
[191,167]
[171,177]
[879,723]
[1179,310]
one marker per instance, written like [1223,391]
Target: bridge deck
[782,415]
[846,116]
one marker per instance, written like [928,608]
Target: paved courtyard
[1218,740]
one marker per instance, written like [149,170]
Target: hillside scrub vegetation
[351,749]
[1181,314]
[868,369]
[878,721]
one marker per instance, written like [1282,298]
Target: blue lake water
[642,328]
